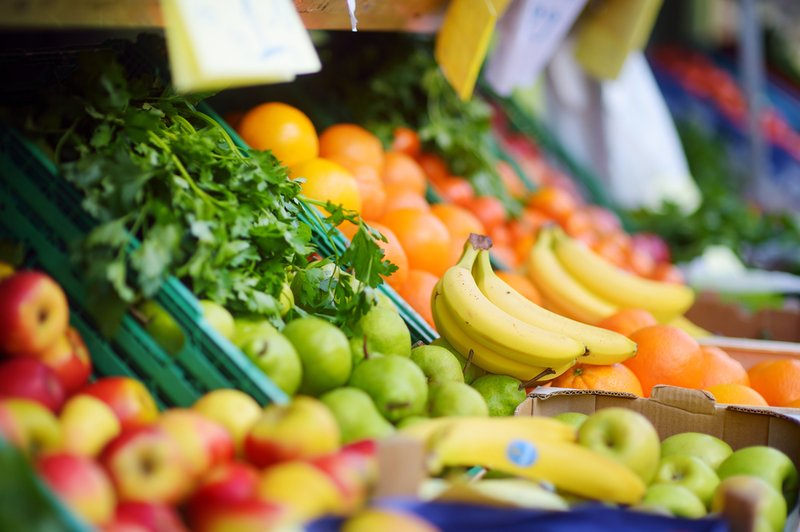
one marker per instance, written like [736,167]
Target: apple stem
[535,381]
[469,360]
[364,348]
[392,406]
[418,343]
[139,316]
[264,348]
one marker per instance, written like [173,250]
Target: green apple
[437,363]
[324,354]
[218,318]
[689,472]
[767,463]
[770,505]
[451,398]
[162,327]
[502,393]
[679,501]
[574,419]
[707,448]
[471,371]
[625,436]
[275,355]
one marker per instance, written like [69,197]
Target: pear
[385,331]
[437,363]
[455,399]
[411,420]
[470,372]
[275,355]
[397,386]
[218,317]
[162,327]
[324,354]
[356,415]
[501,393]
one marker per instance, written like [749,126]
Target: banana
[560,288]
[484,357]
[496,329]
[621,288]
[604,346]
[692,329]
[567,465]
[525,426]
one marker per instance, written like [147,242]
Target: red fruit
[69,359]
[127,397]
[81,483]
[28,378]
[150,516]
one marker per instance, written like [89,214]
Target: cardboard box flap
[694,401]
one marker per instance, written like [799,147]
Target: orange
[720,368]
[611,378]
[501,235]
[523,246]
[460,223]
[513,183]
[455,189]
[736,394]
[351,146]
[521,284]
[794,404]
[576,223]
[628,321]
[554,201]
[506,256]
[667,273]
[401,170]
[666,355]
[328,181]
[417,290]
[612,249]
[490,211]
[434,167]
[281,128]
[603,220]
[777,380]
[424,238]
[372,190]
[399,197]
[640,262]
[406,141]
[393,252]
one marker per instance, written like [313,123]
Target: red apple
[81,483]
[146,465]
[304,428]
[31,426]
[34,313]
[203,442]
[128,398]
[233,409]
[87,425]
[69,358]
[28,378]
[227,483]
[306,491]
[242,516]
[150,516]
[353,469]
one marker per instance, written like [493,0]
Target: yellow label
[214,45]
[462,42]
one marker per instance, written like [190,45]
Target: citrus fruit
[424,238]
[720,368]
[612,378]
[406,141]
[736,394]
[460,223]
[351,146]
[627,321]
[399,197]
[554,202]
[513,183]
[417,290]
[490,211]
[666,355]
[372,191]
[393,252]
[777,380]
[401,170]
[281,128]
[454,189]
[325,180]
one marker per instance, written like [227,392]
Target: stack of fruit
[614,456]
[116,461]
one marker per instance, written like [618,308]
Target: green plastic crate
[419,328]
[42,211]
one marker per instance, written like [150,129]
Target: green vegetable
[226,221]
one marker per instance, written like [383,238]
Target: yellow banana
[485,322]
[523,426]
[484,357]
[604,346]
[560,288]
[621,288]
[567,465]
[692,329]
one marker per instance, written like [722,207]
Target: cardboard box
[730,319]
[673,410]
[751,352]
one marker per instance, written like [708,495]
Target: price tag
[214,45]
[610,31]
[462,42]
[529,34]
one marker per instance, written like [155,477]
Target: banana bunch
[505,333]
[576,282]
[531,448]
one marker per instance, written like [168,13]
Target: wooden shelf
[420,16]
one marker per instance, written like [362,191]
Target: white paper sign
[529,33]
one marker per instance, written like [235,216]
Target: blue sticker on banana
[521,453]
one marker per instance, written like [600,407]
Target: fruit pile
[107,452]
[614,455]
